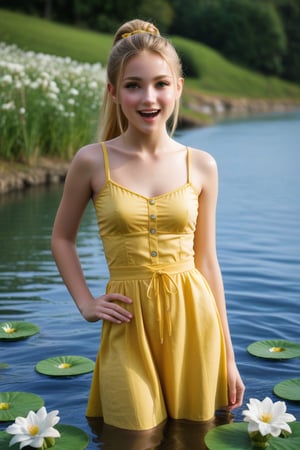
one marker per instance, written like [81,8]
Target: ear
[179,87]
[112,91]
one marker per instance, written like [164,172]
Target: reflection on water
[170,435]
[259,251]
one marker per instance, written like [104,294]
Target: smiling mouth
[149,114]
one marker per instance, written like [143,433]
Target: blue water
[259,252]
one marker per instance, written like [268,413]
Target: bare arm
[77,193]
[206,261]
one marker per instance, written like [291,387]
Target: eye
[131,85]
[162,83]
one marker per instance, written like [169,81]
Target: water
[259,252]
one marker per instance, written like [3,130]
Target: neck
[146,142]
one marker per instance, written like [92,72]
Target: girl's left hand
[236,387]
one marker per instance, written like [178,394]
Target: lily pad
[234,436]
[12,331]
[288,389]
[65,366]
[275,349]
[3,366]
[14,404]
[72,438]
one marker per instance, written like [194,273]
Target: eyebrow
[135,78]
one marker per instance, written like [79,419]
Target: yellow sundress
[169,361]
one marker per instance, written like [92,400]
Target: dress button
[151,201]
[153,253]
[152,216]
[153,231]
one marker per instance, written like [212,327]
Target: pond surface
[259,252]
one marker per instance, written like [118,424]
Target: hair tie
[131,33]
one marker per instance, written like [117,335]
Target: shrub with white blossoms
[266,419]
[36,430]
[49,105]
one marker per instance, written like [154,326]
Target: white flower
[8,328]
[51,96]
[34,428]
[93,85]
[8,106]
[267,417]
[6,79]
[45,75]
[35,84]
[60,107]
[74,92]
[15,67]
[53,87]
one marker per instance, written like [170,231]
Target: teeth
[149,113]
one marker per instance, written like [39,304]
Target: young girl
[165,347]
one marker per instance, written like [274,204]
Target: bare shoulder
[86,169]
[203,160]
[204,169]
[88,156]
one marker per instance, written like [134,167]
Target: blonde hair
[132,38]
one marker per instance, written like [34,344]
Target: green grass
[211,73]
[38,35]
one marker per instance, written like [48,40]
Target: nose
[149,94]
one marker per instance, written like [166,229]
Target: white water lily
[267,418]
[8,328]
[34,429]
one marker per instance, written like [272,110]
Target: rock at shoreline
[14,177]
[218,107]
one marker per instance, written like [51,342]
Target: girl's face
[148,91]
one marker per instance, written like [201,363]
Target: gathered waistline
[146,271]
[161,286]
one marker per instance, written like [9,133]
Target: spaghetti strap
[189,162]
[106,161]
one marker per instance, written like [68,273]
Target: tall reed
[49,105]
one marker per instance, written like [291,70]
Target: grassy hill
[38,35]
[207,70]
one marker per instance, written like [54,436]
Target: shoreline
[19,177]
[203,110]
